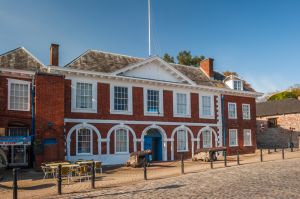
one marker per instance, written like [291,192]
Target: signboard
[15,140]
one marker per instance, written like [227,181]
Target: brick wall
[50,116]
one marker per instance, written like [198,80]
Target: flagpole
[149,27]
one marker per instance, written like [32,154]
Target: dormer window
[237,85]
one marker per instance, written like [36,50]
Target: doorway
[153,142]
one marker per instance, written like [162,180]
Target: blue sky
[258,39]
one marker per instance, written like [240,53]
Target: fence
[24,183]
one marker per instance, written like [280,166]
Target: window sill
[233,145]
[10,109]
[207,117]
[120,112]
[121,153]
[153,114]
[247,119]
[83,111]
[181,151]
[83,154]
[184,116]
[247,145]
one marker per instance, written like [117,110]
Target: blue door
[153,142]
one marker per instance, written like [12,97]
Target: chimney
[207,66]
[54,54]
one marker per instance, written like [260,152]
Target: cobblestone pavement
[276,179]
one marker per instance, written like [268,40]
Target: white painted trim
[105,77]
[91,143]
[249,111]
[182,127]
[188,104]
[98,121]
[178,75]
[112,99]
[120,126]
[80,126]
[11,70]
[212,101]
[94,96]
[161,102]
[164,140]
[127,141]
[207,128]
[237,140]
[249,130]
[16,81]
[233,103]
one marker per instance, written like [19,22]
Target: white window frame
[212,98]
[16,81]
[161,100]
[241,83]
[211,138]
[186,140]
[115,141]
[94,97]
[232,103]
[112,100]
[250,141]
[236,138]
[91,144]
[188,104]
[249,111]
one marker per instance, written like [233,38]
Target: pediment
[155,69]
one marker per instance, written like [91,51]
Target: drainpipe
[223,120]
[33,115]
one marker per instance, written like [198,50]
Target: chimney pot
[207,66]
[54,55]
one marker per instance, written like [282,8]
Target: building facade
[278,123]
[103,106]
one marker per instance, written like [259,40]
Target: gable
[21,59]
[152,71]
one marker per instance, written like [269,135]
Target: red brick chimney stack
[54,55]
[207,66]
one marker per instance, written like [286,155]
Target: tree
[283,95]
[168,58]
[196,60]
[228,73]
[184,57]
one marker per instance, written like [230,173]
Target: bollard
[211,161]
[59,179]
[261,155]
[238,157]
[292,147]
[275,150]
[145,169]
[225,159]
[182,164]
[269,151]
[93,176]
[15,184]
[282,152]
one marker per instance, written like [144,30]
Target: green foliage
[168,58]
[285,95]
[184,57]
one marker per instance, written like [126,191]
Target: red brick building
[103,106]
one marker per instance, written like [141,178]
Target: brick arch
[81,126]
[182,127]
[116,127]
[207,128]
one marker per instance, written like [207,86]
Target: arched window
[121,141]
[182,140]
[207,139]
[84,141]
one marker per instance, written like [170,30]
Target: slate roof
[22,59]
[278,107]
[99,61]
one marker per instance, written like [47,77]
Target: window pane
[231,110]
[181,103]
[181,140]
[121,141]
[18,131]
[153,101]
[84,95]
[207,139]
[84,141]
[246,111]
[233,138]
[19,98]
[247,137]
[120,98]
[206,106]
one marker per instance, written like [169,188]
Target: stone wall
[282,135]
